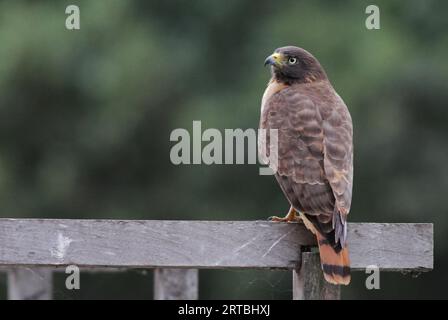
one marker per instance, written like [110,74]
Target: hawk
[314,166]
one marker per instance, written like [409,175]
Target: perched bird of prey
[315,152]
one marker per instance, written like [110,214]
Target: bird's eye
[292,60]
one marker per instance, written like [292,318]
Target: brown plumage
[315,152]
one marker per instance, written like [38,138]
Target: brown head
[295,65]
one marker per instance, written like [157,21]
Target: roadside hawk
[315,152]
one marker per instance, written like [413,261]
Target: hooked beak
[275,59]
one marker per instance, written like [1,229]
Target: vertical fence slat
[176,284]
[30,284]
[309,282]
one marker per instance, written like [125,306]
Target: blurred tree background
[85,119]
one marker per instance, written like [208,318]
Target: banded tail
[335,263]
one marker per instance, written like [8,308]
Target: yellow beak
[275,59]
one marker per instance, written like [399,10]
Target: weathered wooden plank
[391,246]
[309,283]
[151,244]
[202,244]
[30,284]
[176,284]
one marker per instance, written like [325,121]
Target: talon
[290,217]
[276,219]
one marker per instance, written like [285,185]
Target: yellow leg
[290,217]
[307,223]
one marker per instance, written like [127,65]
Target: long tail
[335,263]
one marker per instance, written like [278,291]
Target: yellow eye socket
[292,60]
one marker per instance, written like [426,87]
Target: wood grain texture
[176,284]
[202,244]
[391,246]
[309,283]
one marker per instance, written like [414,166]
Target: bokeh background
[85,120]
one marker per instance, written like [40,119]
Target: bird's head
[295,65]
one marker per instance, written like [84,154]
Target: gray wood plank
[202,244]
[391,246]
[30,284]
[151,244]
[176,284]
[309,282]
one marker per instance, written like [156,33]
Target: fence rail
[205,245]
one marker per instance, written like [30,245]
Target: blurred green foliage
[85,118]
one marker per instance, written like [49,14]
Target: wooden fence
[31,249]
